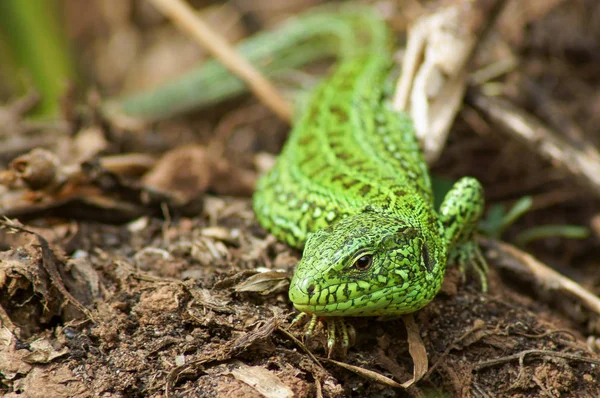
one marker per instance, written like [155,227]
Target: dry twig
[521,357]
[545,275]
[185,17]
[582,161]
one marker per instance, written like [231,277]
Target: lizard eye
[363,262]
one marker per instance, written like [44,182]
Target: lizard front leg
[460,213]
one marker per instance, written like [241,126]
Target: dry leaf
[262,380]
[43,351]
[263,282]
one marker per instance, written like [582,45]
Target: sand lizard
[351,187]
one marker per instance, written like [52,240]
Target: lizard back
[348,151]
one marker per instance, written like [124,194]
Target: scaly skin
[351,187]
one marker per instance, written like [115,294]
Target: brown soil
[114,289]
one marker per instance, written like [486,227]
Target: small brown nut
[37,169]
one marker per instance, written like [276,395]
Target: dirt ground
[147,274]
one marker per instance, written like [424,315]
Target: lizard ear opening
[427,260]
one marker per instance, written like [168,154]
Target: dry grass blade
[184,16]
[582,161]
[521,357]
[301,345]
[545,275]
[417,350]
[368,374]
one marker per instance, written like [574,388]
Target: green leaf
[32,34]
[552,231]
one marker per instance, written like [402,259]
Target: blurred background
[173,196]
[115,46]
[118,46]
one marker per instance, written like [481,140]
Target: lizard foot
[334,324]
[470,260]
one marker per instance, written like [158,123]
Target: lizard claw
[334,324]
[348,336]
[331,337]
[470,260]
[298,318]
[311,325]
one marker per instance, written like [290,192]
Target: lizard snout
[301,290]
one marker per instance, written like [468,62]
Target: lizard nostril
[310,289]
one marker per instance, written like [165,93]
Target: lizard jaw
[393,300]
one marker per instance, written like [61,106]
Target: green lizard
[351,187]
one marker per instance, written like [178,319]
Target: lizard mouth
[393,300]
[341,308]
[309,297]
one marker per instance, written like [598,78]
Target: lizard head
[369,264]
